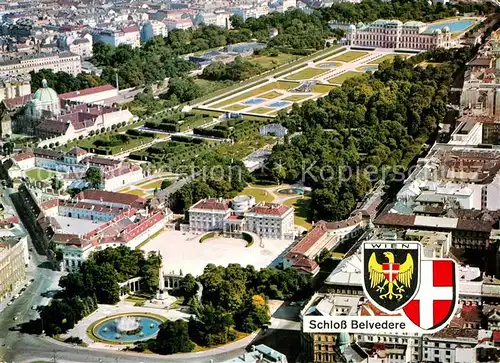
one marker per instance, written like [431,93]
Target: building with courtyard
[95,220]
[243,214]
[73,164]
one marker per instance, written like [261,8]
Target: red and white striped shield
[436,301]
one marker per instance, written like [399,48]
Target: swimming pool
[456,26]
[254,101]
[279,104]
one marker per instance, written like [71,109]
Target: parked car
[33,307]
[10,303]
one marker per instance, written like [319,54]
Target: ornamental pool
[456,26]
[254,101]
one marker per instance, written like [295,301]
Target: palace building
[242,214]
[395,34]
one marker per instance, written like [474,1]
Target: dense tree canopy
[63,82]
[222,176]
[238,70]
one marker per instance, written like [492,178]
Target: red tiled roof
[112,197]
[86,92]
[212,204]
[394,219]
[496,336]
[49,204]
[368,309]
[130,29]
[53,126]
[23,156]
[270,209]
[96,160]
[319,230]
[346,222]
[78,151]
[14,102]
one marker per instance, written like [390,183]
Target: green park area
[295,98]
[255,92]
[388,57]
[39,174]
[260,195]
[261,110]
[270,95]
[349,56]
[322,88]
[343,77]
[302,207]
[235,107]
[270,62]
[306,74]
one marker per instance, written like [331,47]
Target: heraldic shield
[391,273]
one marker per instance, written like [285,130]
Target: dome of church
[446,29]
[351,28]
[46,95]
[45,103]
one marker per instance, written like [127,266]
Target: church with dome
[61,118]
[45,103]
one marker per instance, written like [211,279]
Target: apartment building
[58,62]
[13,261]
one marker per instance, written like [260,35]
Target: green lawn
[268,62]
[305,74]
[344,76]
[322,88]
[235,107]
[256,92]
[151,184]
[302,207]
[270,95]
[260,195]
[388,57]
[261,110]
[294,98]
[348,56]
[39,174]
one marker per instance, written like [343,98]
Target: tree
[165,183]
[253,316]
[93,176]
[173,337]
[183,88]
[55,183]
[211,326]
[188,288]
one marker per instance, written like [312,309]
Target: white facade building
[58,62]
[127,35]
[395,34]
[267,220]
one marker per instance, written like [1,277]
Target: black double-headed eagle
[379,280]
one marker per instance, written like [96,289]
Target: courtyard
[183,251]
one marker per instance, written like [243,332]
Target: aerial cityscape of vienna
[249,181]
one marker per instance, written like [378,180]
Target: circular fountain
[127,329]
[128,325]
